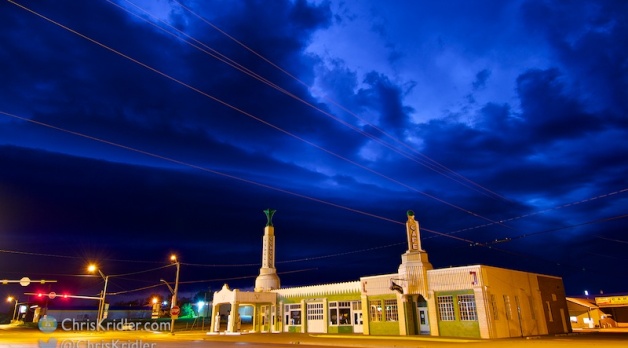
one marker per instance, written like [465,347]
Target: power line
[251,115]
[428,163]
[182,163]
[590,222]
[612,240]
[234,108]
[243,277]
[249,72]
[570,204]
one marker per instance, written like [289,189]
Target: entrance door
[356,313]
[424,325]
[358,326]
[315,321]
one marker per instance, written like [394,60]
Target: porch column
[215,315]
[234,318]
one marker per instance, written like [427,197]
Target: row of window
[467,310]
[383,310]
[339,312]
[508,307]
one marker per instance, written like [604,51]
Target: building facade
[473,301]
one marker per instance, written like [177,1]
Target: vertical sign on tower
[412,229]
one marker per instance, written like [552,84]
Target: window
[466,305]
[375,310]
[494,306]
[446,308]
[391,310]
[356,305]
[508,308]
[314,311]
[340,313]
[293,314]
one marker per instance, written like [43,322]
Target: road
[146,339]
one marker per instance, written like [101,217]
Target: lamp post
[173,303]
[101,307]
[11,299]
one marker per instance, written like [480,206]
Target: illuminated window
[391,310]
[340,313]
[293,314]
[446,308]
[375,309]
[466,305]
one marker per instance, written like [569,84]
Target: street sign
[175,310]
[52,295]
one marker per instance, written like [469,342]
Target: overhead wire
[219,56]
[249,114]
[565,205]
[188,86]
[243,69]
[431,164]
[230,176]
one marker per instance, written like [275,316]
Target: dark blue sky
[133,129]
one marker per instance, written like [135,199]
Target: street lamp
[101,307]
[173,258]
[11,299]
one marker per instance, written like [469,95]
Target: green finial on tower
[269,216]
[410,213]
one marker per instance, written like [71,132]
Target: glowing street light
[101,308]
[11,299]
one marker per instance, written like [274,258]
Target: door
[315,321]
[358,325]
[424,325]
[356,313]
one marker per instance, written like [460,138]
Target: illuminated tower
[414,263]
[268,279]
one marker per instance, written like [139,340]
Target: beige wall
[509,302]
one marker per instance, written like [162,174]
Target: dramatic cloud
[132,129]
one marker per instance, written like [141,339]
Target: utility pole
[174,259]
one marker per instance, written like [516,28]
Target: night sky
[130,130]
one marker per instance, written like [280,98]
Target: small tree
[187,311]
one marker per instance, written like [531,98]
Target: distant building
[598,312]
[472,301]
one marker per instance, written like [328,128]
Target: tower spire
[268,278]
